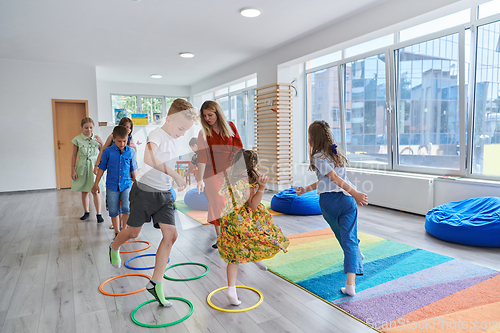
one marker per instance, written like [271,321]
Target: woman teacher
[218,141]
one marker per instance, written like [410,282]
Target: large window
[437,112]
[365,84]
[323,98]
[123,106]
[486,135]
[237,104]
[427,104]
[155,108]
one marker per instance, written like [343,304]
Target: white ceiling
[128,41]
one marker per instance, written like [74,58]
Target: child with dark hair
[120,161]
[129,125]
[248,233]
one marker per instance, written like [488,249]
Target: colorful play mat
[403,289]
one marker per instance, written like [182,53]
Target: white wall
[106,88]
[448,190]
[27,88]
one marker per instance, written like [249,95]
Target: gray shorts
[147,202]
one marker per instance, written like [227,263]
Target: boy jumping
[150,196]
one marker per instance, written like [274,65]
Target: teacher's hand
[200,186]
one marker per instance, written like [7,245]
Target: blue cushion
[288,202]
[474,221]
[196,201]
[174,195]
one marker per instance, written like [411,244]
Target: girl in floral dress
[248,233]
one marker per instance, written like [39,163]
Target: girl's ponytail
[321,142]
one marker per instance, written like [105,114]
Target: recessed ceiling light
[186,54]
[250,12]
[156,76]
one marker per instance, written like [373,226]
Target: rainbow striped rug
[403,288]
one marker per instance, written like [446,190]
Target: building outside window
[154,107]
[365,82]
[427,104]
[486,128]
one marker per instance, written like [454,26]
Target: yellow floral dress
[247,235]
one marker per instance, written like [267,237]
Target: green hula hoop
[167,324]
[188,279]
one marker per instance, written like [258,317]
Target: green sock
[156,289]
[114,257]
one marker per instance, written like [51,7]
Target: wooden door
[67,115]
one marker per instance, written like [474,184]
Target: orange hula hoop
[122,294]
[137,241]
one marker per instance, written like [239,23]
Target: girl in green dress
[248,233]
[86,146]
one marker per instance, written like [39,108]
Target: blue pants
[341,213]
[114,198]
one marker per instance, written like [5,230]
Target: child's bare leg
[97,203]
[85,203]
[350,286]
[125,235]
[116,223]
[232,272]
[155,285]
[217,232]
[122,237]
[123,220]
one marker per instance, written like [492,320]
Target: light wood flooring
[51,265]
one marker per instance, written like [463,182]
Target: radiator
[396,190]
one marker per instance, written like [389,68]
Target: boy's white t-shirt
[167,152]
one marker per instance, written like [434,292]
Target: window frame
[139,104]
[476,23]
[341,70]
[460,30]
[466,108]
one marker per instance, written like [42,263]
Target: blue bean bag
[174,194]
[196,201]
[474,221]
[288,202]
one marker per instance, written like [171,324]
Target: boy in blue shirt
[120,161]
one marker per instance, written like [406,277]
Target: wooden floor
[51,265]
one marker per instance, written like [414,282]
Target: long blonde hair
[224,127]
[321,142]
